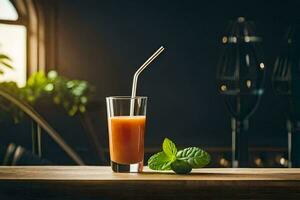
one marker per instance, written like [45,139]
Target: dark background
[104,42]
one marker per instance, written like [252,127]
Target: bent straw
[136,75]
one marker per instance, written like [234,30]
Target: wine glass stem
[239,143]
[293,129]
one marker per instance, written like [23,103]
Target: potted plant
[71,95]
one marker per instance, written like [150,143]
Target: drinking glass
[126,125]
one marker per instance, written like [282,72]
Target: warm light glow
[247,39]
[223,88]
[224,39]
[233,39]
[7,11]
[223,162]
[248,83]
[241,19]
[283,161]
[262,65]
[258,162]
[247,60]
[13,44]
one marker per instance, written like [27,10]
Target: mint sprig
[160,161]
[181,162]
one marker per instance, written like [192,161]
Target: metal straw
[136,75]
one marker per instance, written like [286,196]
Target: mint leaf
[160,161]
[169,148]
[196,157]
[181,162]
[181,167]
[164,159]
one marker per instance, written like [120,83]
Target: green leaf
[82,108]
[37,80]
[7,64]
[195,156]
[2,56]
[181,167]
[49,87]
[169,147]
[83,99]
[52,74]
[160,161]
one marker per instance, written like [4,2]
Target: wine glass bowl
[241,70]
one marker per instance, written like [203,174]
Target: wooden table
[74,182]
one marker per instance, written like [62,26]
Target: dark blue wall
[105,41]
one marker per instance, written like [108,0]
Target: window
[7,11]
[13,36]
[25,38]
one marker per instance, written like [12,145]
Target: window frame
[41,40]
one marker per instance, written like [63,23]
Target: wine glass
[286,82]
[240,76]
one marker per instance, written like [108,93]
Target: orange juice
[126,139]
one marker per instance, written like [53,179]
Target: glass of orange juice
[126,125]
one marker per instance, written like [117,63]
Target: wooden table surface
[76,182]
